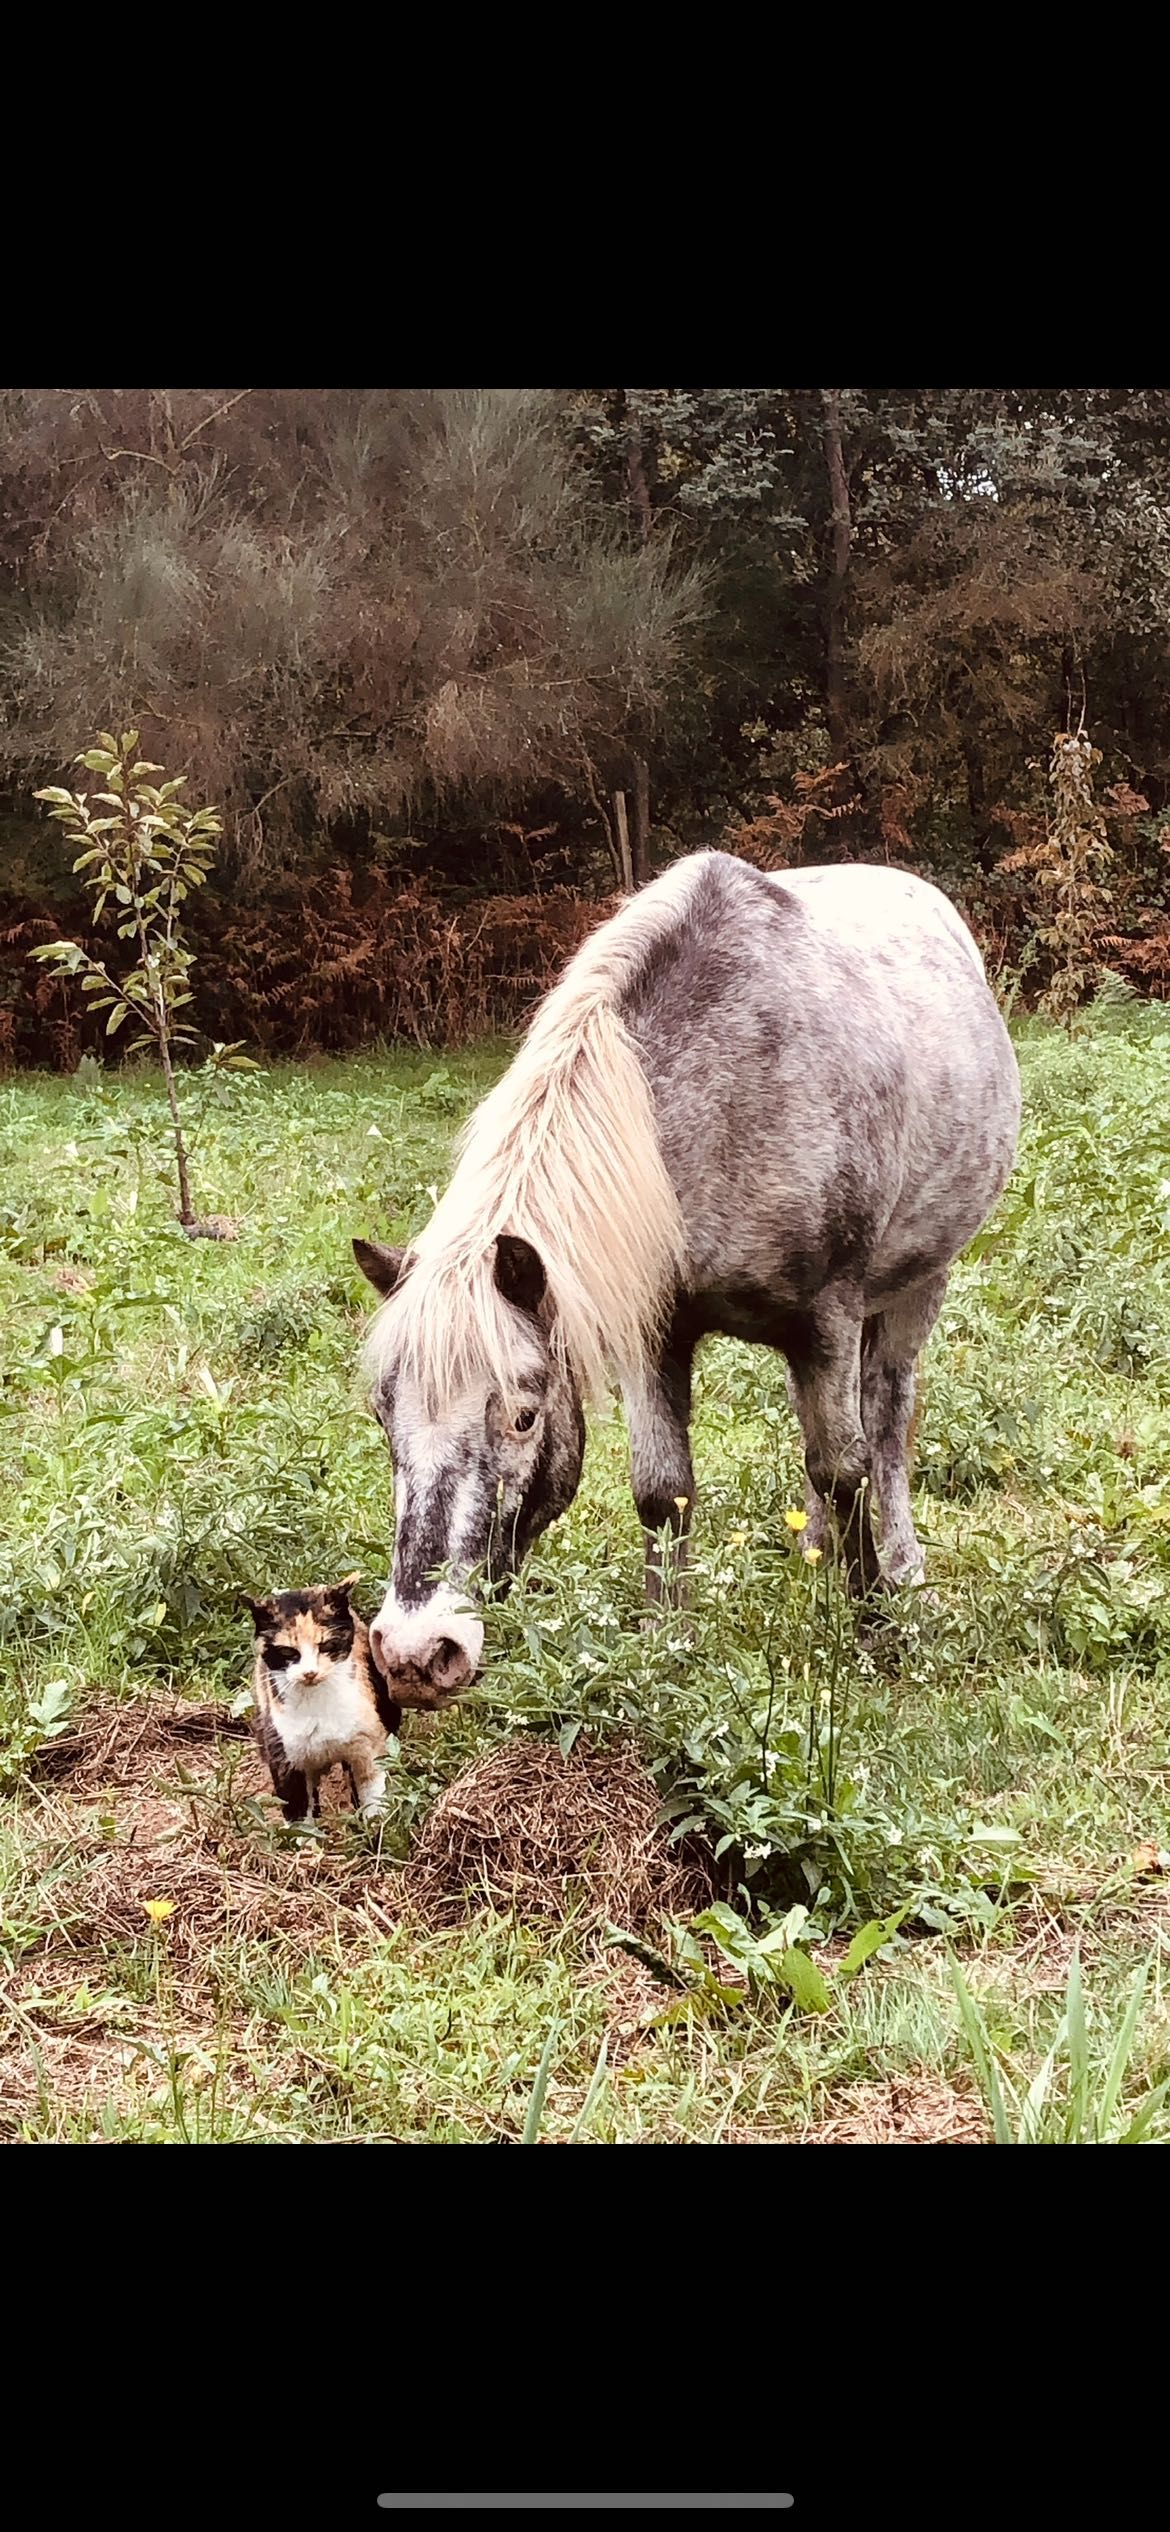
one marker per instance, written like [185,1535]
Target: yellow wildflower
[682,1501]
[737,1538]
[796,1520]
[158,1910]
[812,1556]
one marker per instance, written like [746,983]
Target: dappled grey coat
[775,1107]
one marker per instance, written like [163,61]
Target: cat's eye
[279,1656]
[524,1422]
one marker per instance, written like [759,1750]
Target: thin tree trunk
[640,502]
[623,836]
[640,825]
[977,805]
[186,1210]
[606,823]
[642,512]
[836,710]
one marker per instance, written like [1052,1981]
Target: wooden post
[623,833]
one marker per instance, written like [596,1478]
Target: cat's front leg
[369,1785]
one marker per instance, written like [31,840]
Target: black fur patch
[550,1493]
[520,1274]
[380,1266]
[422,1540]
[289,1784]
[662,1512]
[915,1269]
[756,1317]
[389,1712]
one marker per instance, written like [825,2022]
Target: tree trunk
[640,827]
[836,710]
[186,1212]
[977,805]
[642,513]
[640,503]
[623,836]
[604,819]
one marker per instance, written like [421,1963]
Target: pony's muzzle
[426,1655]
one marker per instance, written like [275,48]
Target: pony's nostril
[449,1663]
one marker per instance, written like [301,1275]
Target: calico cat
[320,1699]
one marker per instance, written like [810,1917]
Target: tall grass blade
[532,2123]
[985,2067]
[592,2097]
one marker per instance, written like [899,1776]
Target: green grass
[180,1421]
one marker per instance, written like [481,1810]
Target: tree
[1071,863]
[144,856]
[352,609]
[462,641]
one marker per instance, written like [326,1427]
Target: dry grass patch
[911,2109]
[528,1830]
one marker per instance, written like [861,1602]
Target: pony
[766,1106]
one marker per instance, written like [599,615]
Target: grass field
[183,1420]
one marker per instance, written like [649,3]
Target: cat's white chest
[318,1725]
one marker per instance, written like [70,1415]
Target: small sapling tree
[142,850]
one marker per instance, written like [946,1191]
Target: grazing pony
[765,1107]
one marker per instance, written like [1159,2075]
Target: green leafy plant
[775,1962]
[43,1719]
[1068,2102]
[142,856]
[1072,862]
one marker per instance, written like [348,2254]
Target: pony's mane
[563,1153]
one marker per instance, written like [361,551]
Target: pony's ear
[380,1266]
[261,1612]
[520,1275]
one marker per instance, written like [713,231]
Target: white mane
[564,1153]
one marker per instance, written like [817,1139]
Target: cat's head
[302,1635]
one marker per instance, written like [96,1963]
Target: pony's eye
[524,1422]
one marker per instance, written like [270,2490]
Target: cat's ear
[338,1593]
[380,1266]
[262,1612]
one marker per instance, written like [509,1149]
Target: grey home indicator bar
[759,2503]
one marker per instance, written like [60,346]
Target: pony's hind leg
[891,1345]
[816,1518]
[659,1414]
[825,1369]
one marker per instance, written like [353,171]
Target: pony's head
[485,1425]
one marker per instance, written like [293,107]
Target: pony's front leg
[658,1412]
[826,1382]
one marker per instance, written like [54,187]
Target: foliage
[340,604]
[1071,865]
[1063,2105]
[146,853]
[413,641]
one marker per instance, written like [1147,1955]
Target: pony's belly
[933,1223]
